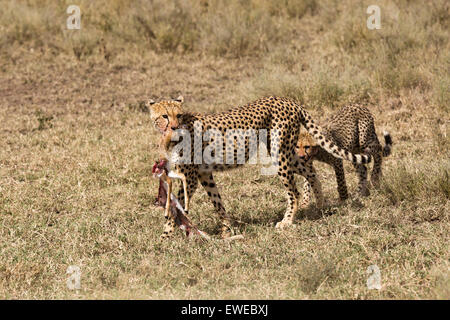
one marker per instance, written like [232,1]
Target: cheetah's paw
[283,225]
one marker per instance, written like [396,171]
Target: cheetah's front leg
[189,187]
[286,162]
[207,181]
[287,179]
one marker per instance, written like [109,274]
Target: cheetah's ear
[149,103]
[180,99]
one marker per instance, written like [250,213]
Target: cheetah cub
[353,129]
[166,117]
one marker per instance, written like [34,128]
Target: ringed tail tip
[387,143]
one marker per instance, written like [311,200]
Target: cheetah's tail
[387,144]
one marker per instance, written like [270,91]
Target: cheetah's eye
[306,147]
[165,116]
[179,115]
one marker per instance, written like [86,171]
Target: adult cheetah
[281,117]
[351,128]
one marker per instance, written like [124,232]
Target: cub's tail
[387,144]
[316,131]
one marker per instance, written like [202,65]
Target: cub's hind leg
[340,179]
[362,175]
[376,151]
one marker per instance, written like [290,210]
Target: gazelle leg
[169,226]
[186,194]
[167,212]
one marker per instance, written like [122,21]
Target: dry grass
[76,148]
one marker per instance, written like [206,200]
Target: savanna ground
[77,147]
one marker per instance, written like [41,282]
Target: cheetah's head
[306,147]
[166,114]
